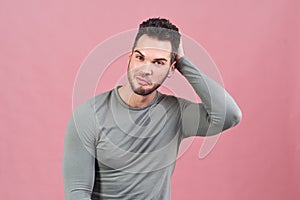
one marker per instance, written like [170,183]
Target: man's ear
[129,57]
[171,69]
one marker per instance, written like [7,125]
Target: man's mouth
[142,81]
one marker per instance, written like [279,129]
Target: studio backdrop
[254,44]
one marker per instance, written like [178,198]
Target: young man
[123,144]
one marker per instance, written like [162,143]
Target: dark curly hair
[161,29]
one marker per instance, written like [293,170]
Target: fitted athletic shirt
[113,151]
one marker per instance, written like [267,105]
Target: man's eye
[159,63]
[139,57]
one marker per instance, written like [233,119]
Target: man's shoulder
[92,102]
[168,99]
[102,96]
[173,99]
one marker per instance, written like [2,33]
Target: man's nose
[147,69]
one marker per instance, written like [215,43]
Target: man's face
[149,64]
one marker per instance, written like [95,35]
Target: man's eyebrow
[139,52]
[156,59]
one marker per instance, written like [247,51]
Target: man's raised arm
[218,110]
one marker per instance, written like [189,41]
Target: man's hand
[180,51]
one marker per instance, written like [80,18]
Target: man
[123,144]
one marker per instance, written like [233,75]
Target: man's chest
[138,142]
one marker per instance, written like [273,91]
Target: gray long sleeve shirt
[113,151]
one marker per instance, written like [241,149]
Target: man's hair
[161,29]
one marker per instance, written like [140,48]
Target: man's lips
[142,81]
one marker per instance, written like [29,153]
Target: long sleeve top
[113,151]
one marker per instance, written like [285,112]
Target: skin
[149,64]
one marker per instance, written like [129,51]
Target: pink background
[255,44]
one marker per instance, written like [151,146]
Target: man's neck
[134,100]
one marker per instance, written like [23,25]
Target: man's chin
[143,91]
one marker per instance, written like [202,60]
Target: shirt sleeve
[218,110]
[79,153]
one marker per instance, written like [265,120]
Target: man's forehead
[146,43]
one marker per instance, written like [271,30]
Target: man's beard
[144,92]
[140,90]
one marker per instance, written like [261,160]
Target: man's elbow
[237,117]
[232,118]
